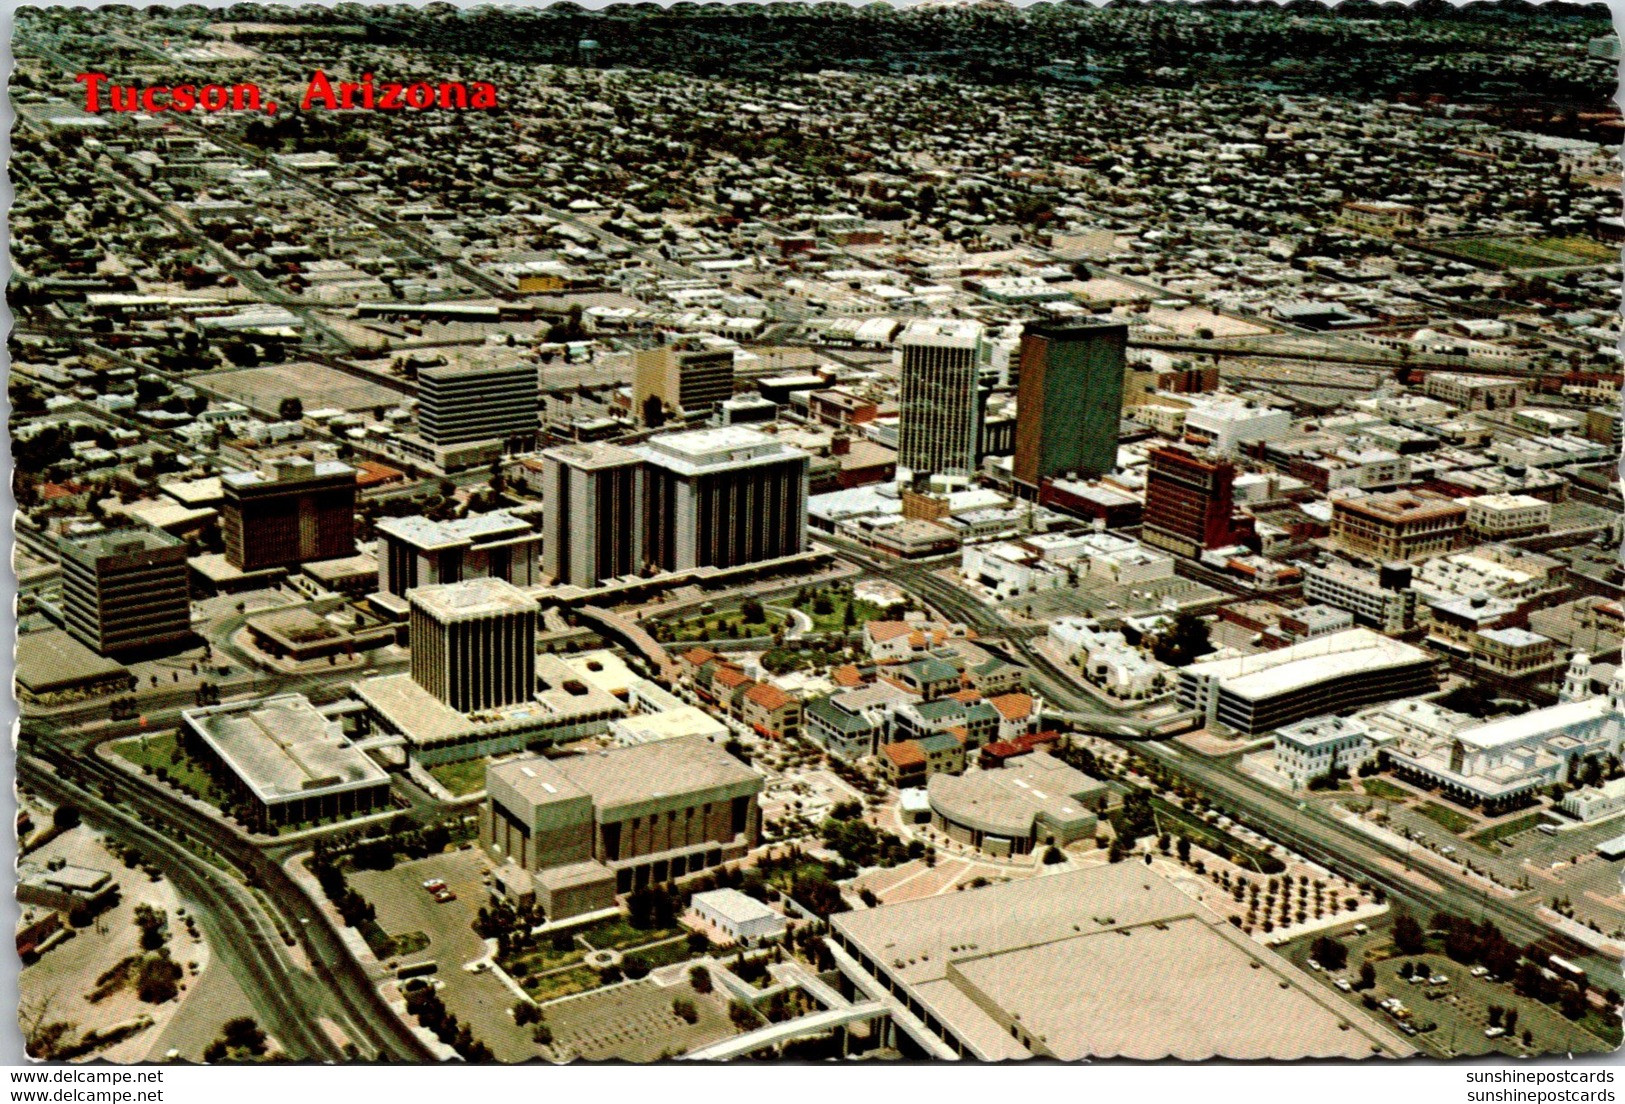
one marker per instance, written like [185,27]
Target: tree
[1052,855]
[684,1010]
[156,983]
[1329,953]
[240,1039]
[1408,935]
[743,1017]
[1368,976]
[292,409]
[1572,1002]
[154,924]
[699,979]
[65,817]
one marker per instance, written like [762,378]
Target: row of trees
[423,1001]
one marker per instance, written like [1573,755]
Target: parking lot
[635,1022]
[404,906]
[1098,598]
[1459,1008]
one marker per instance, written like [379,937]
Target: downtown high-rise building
[291,511]
[940,410]
[474,643]
[1069,400]
[594,503]
[459,406]
[126,591]
[678,383]
[722,497]
[418,551]
[1189,501]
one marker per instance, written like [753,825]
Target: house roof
[1013,707]
[905,753]
[768,696]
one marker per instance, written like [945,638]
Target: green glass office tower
[1069,400]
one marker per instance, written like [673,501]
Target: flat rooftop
[593,455]
[428,534]
[1302,665]
[699,451]
[943,333]
[1403,506]
[426,721]
[53,660]
[283,748]
[117,542]
[288,471]
[621,779]
[1111,961]
[471,598]
[1536,724]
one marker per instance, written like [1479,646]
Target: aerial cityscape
[807,532]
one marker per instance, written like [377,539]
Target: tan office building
[1402,526]
[590,826]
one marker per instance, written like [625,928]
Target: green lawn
[160,752]
[665,954]
[1581,247]
[725,625]
[1376,787]
[539,960]
[618,935]
[1508,828]
[561,984]
[461,779]
[1527,252]
[835,619]
[383,945]
[1448,818]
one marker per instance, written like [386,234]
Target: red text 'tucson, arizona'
[321,94]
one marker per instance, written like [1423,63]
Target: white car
[1343,984]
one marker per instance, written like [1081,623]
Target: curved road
[52,768]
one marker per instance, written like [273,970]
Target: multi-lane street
[162,825]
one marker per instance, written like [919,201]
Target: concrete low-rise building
[284,761]
[1495,517]
[1314,748]
[1501,763]
[1033,801]
[743,919]
[65,887]
[1595,802]
[1382,599]
[1111,961]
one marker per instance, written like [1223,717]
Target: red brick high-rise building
[1189,501]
